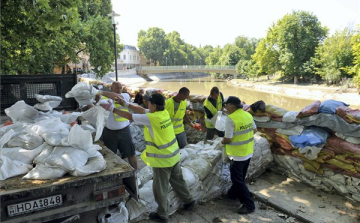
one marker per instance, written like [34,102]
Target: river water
[202,86]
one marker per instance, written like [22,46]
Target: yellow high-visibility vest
[212,109]
[177,118]
[162,150]
[117,117]
[242,143]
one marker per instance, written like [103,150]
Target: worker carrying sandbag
[162,152]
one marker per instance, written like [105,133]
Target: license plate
[34,205]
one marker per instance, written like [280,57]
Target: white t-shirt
[229,133]
[143,119]
[112,123]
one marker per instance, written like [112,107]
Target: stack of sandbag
[317,145]
[48,141]
[47,102]
[137,133]
[205,173]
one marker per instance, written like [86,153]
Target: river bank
[313,92]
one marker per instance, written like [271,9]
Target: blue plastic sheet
[312,136]
[329,106]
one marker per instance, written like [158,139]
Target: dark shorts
[210,133]
[119,140]
[181,139]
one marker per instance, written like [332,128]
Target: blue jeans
[238,188]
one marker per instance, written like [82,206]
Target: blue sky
[215,22]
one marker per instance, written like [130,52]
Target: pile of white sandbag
[204,171]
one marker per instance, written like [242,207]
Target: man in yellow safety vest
[116,134]
[212,105]
[162,153]
[239,146]
[176,106]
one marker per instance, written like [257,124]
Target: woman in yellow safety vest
[212,105]
[161,153]
[239,146]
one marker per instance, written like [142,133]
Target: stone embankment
[348,95]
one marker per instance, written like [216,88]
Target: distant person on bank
[239,146]
[213,104]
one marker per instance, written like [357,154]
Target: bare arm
[187,120]
[136,108]
[124,114]
[111,95]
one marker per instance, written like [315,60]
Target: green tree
[297,36]
[214,56]
[267,54]
[153,43]
[40,35]
[334,57]
[248,44]
[231,54]
[356,53]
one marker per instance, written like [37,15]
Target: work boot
[244,210]
[190,206]
[155,217]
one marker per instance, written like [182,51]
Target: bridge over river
[144,70]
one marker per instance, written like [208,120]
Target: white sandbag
[145,174]
[78,138]
[54,138]
[23,155]
[88,127]
[46,98]
[43,106]
[45,153]
[199,166]
[70,117]
[190,178]
[94,165]
[311,152]
[11,168]
[183,154]
[96,116]
[67,158]
[25,140]
[83,93]
[220,121]
[296,130]
[262,118]
[136,210]
[21,112]
[16,127]
[290,116]
[119,215]
[49,125]
[44,172]
[6,137]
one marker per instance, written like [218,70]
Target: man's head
[214,93]
[183,94]
[232,104]
[141,91]
[116,87]
[156,103]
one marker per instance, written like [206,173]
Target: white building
[129,57]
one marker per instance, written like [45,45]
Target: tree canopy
[38,36]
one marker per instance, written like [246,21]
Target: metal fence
[24,87]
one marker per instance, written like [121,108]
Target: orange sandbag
[310,110]
[8,122]
[348,114]
[284,141]
[342,145]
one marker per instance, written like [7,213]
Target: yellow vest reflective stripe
[242,143]
[177,118]
[212,109]
[117,117]
[162,150]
